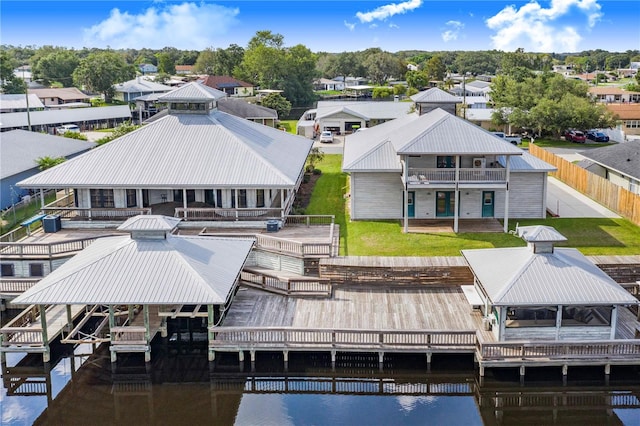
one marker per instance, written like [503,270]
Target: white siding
[526,196]
[376,196]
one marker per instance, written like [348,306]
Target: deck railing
[290,287]
[45,249]
[425,176]
[341,339]
[558,350]
[16,331]
[219,214]
[284,246]
[128,335]
[16,285]
[309,220]
[95,214]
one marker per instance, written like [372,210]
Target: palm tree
[47,162]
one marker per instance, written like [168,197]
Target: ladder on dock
[33,332]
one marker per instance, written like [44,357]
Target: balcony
[477,175]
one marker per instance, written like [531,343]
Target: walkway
[564,201]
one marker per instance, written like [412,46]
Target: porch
[430,226]
[422,176]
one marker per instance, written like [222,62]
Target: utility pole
[27,98]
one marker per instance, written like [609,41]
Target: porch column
[614,322]
[210,334]
[282,208]
[184,202]
[506,195]
[139,202]
[112,324]
[46,355]
[558,321]
[147,333]
[456,196]
[41,198]
[69,318]
[405,213]
[89,199]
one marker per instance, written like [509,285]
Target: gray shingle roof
[435,95]
[623,157]
[187,150]
[122,270]
[519,277]
[63,116]
[194,91]
[19,150]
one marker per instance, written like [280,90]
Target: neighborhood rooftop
[623,157]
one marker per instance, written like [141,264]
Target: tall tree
[381,66]
[263,62]
[10,82]
[435,69]
[300,69]
[206,62]
[99,71]
[56,67]
[166,63]
[278,102]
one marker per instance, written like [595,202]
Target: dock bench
[33,219]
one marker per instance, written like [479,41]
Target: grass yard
[385,238]
[289,125]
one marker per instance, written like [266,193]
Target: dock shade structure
[146,278]
[542,292]
[197,163]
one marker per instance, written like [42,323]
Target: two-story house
[437,166]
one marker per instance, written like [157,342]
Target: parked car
[597,136]
[67,128]
[513,139]
[326,137]
[575,136]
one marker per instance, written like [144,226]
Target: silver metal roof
[150,223]
[141,85]
[373,110]
[63,116]
[194,91]
[435,95]
[526,163]
[122,270]
[19,101]
[187,151]
[540,233]
[519,277]
[20,149]
[434,133]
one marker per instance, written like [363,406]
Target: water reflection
[179,388]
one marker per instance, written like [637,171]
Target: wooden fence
[612,196]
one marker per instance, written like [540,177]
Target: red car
[575,136]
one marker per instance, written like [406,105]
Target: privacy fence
[614,197]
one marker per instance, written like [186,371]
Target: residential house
[148,69]
[326,84]
[412,67]
[184,69]
[566,70]
[197,160]
[130,90]
[49,119]
[24,72]
[59,96]
[434,98]
[437,166]
[619,163]
[542,292]
[19,103]
[229,85]
[248,111]
[628,115]
[19,153]
[613,94]
[472,88]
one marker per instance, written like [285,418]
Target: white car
[326,137]
[67,128]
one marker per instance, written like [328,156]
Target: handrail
[290,287]
[224,214]
[46,249]
[423,175]
[16,285]
[310,219]
[97,213]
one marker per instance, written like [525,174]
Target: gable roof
[187,150]
[626,111]
[190,92]
[435,95]
[19,101]
[519,277]
[220,81]
[64,93]
[123,270]
[20,149]
[622,157]
[244,109]
[369,110]
[141,85]
[540,233]
[61,116]
[149,223]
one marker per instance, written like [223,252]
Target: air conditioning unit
[479,163]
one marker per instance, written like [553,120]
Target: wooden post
[456,196]
[184,202]
[210,334]
[69,317]
[558,321]
[614,321]
[46,356]
[147,333]
[112,324]
[506,194]
[405,213]
[130,313]
[41,198]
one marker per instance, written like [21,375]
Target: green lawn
[559,143]
[289,125]
[385,238]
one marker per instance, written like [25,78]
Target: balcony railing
[479,175]
[96,214]
[219,214]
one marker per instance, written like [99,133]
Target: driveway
[564,201]
[331,148]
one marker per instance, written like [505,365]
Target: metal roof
[122,270]
[434,133]
[187,151]
[141,85]
[435,95]
[64,93]
[373,110]
[19,101]
[244,109]
[622,157]
[20,149]
[526,163]
[192,92]
[540,233]
[150,223]
[519,277]
[62,116]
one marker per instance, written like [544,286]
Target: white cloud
[452,34]
[392,25]
[184,26]
[373,26]
[383,12]
[350,25]
[532,26]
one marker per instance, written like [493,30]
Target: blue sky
[333,26]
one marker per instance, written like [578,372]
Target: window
[233,198]
[209,198]
[259,197]
[36,270]
[632,124]
[531,317]
[102,198]
[177,195]
[7,270]
[586,315]
[132,198]
[242,198]
[445,161]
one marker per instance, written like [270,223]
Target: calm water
[80,388]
